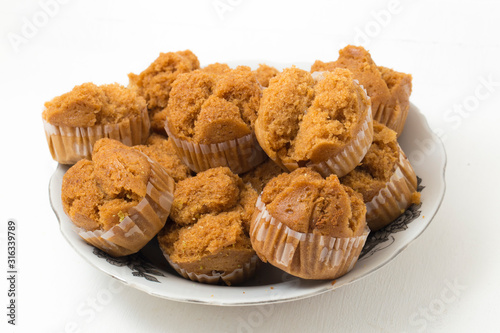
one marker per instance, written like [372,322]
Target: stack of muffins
[231,167]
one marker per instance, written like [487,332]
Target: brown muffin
[261,175]
[384,178]
[74,121]
[389,90]
[324,123]
[264,73]
[308,226]
[211,115]
[162,150]
[155,82]
[119,200]
[208,239]
[216,68]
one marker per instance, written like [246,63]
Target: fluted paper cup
[305,255]
[237,276]
[69,144]
[143,222]
[392,200]
[240,155]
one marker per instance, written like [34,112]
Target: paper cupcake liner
[393,116]
[351,154]
[239,275]
[306,255]
[395,197]
[143,222]
[240,155]
[69,144]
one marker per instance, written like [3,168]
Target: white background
[450,47]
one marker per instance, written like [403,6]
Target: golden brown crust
[212,213]
[88,104]
[389,90]
[360,63]
[378,164]
[216,68]
[197,247]
[97,194]
[203,103]
[282,107]
[155,82]
[261,175]
[162,150]
[264,73]
[308,203]
[212,192]
[302,120]
[219,121]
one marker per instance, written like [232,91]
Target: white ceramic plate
[148,270]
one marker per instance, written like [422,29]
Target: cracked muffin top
[307,203]
[155,82]
[305,119]
[98,194]
[378,165]
[384,85]
[211,214]
[264,73]
[88,105]
[213,106]
[261,175]
[213,192]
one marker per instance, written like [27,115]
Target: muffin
[389,90]
[216,68]
[155,82]
[308,226]
[208,239]
[385,178]
[211,115]
[119,200]
[74,121]
[261,175]
[162,150]
[264,73]
[323,122]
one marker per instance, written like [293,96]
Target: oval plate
[148,270]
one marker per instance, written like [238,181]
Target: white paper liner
[69,144]
[392,200]
[237,276]
[240,155]
[144,221]
[393,113]
[351,154]
[306,255]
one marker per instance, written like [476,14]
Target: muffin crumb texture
[162,150]
[98,194]
[301,119]
[307,203]
[213,106]
[378,165]
[88,105]
[155,82]
[211,214]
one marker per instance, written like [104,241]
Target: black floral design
[137,264]
[383,238]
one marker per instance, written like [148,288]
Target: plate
[148,271]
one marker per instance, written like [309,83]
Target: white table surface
[446,281]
